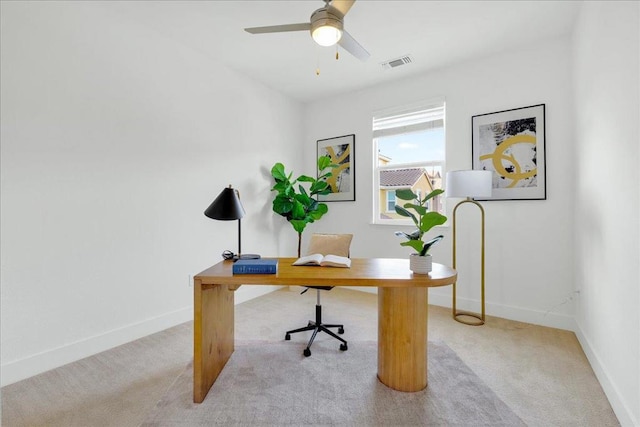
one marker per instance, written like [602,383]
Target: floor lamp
[469,184]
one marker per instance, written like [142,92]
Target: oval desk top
[375,272]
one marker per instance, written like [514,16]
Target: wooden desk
[402,314]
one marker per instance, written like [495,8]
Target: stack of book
[255,266]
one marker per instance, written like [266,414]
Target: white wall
[528,243]
[607,217]
[114,141]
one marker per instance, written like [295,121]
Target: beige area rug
[273,384]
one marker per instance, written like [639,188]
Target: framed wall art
[341,151]
[511,144]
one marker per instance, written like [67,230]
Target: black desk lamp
[227,207]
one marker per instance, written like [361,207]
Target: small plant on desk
[424,220]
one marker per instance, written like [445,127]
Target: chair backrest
[335,244]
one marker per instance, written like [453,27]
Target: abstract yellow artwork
[511,144]
[340,149]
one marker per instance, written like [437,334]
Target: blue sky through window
[414,147]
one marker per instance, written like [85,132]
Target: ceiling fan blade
[353,47]
[279,28]
[342,6]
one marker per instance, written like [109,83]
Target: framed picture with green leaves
[342,182]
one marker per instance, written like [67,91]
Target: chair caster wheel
[341,331]
[343,347]
[287,337]
[306,352]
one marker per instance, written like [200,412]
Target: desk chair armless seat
[335,244]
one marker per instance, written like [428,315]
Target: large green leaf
[302,190]
[277,171]
[406,194]
[298,225]
[304,199]
[430,220]
[282,205]
[413,236]
[427,245]
[325,162]
[318,186]
[431,195]
[298,212]
[403,212]
[415,244]
[280,186]
[305,178]
[319,210]
[420,210]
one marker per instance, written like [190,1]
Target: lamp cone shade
[469,183]
[226,206]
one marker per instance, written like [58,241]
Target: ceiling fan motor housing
[324,17]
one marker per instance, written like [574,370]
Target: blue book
[255,266]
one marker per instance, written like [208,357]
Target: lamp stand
[457,314]
[239,255]
[239,239]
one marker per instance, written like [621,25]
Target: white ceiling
[434,33]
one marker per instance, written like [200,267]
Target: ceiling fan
[326,26]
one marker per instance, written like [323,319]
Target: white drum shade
[468,183]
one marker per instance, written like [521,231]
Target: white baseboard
[519,314]
[21,369]
[622,410]
[552,320]
[17,370]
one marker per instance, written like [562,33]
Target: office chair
[335,244]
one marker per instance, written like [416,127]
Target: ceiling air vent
[393,63]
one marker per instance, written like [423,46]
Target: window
[391,200]
[409,152]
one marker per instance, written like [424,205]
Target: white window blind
[408,121]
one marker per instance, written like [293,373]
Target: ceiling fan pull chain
[337,54]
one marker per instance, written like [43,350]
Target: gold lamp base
[476,319]
[467,317]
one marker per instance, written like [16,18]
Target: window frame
[399,130]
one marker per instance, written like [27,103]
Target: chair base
[317,326]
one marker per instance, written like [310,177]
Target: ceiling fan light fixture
[326,27]
[326,35]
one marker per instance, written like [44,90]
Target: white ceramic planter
[420,264]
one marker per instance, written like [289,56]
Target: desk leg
[213,335]
[402,338]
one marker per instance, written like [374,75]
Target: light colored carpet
[269,384]
[541,373]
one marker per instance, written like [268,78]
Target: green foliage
[421,217]
[299,205]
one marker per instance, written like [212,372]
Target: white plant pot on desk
[420,264]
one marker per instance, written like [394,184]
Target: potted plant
[299,205]
[420,261]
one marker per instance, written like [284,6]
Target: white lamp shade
[469,183]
